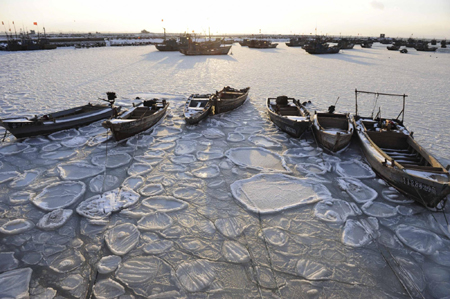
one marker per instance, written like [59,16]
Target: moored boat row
[387,145]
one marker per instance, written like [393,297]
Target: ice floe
[133,182]
[8,261]
[59,155]
[21,197]
[263,141]
[304,152]
[212,133]
[354,169]
[65,134]
[112,160]
[164,203]
[55,219]
[140,141]
[359,233]
[151,190]
[122,238]
[274,236]
[108,288]
[148,159]
[248,129]
[75,142]
[235,137]
[379,209]
[66,261]
[207,172]
[183,159]
[153,244]
[59,195]
[51,147]
[154,221]
[392,195]
[313,270]
[333,210]
[162,131]
[235,252]
[195,276]
[257,158]
[14,148]
[269,193]
[357,190]
[420,240]
[139,169]
[25,179]
[138,272]
[185,147]
[8,176]
[78,170]
[102,183]
[108,264]
[163,145]
[230,227]
[15,283]
[101,206]
[210,155]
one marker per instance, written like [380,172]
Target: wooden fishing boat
[261,44]
[320,47]
[393,47]
[139,118]
[205,48]
[228,99]
[22,127]
[289,115]
[333,131]
[398,159]
[197,107]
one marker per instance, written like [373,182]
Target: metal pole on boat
[356,101]
[404,100]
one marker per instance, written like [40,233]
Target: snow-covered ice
[212,214]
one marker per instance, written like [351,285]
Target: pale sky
[395,18]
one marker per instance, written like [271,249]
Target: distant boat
[296,42]
[22,127]
[393,47]
[366,44]
[345,44]
[319,46]
[333,130]
[25,43]
[205,48]
[228,99]
[424,47]
[244,42]
[398,159]
[172,44]
[197,107]
[289,115]
[139,118]
[261,44]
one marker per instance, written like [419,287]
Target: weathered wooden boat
[424,47]
[289,115]
[398,159]
[205,48]
[22,127]
[172,44]
[393,47]
[261,44]
[366,44]
[197,107]
[244,42]
[333,131]
[137,119]
[296,42]
[320,47]
[228,99]
[345,44]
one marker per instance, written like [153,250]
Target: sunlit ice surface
[185,211]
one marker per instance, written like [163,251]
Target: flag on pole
[3,23]
[13,22]
[162,20]
[35,23]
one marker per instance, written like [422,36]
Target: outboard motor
[149,103]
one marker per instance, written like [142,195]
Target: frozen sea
[231,207]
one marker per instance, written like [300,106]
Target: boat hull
[29,128]
[222,105]
[414,183]
[193,115]
[125,130]
[206,51]
[295,128]
[332,131]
